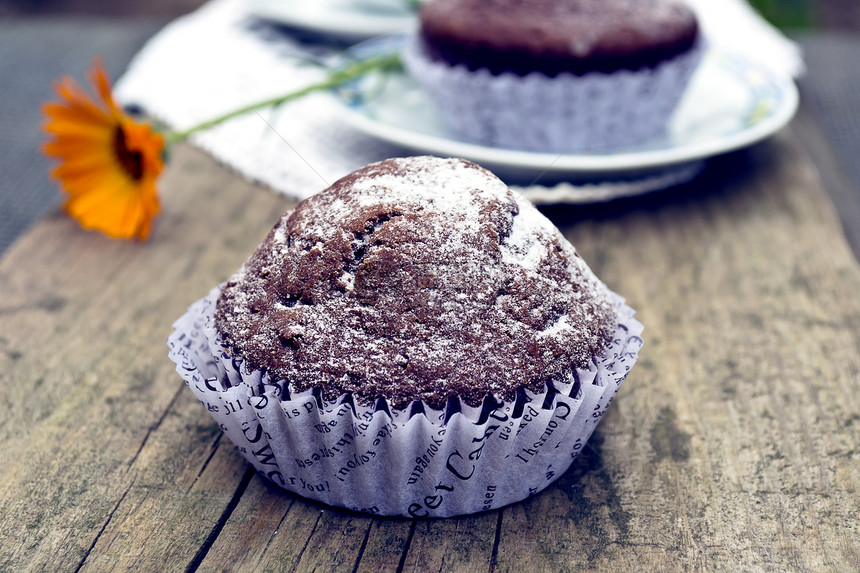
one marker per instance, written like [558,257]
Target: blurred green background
[788,14]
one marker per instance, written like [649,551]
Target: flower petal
[72,95]
[108,163]
[102,83]
[75,114]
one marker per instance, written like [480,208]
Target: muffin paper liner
[566,113]
[415,461]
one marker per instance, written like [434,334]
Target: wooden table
[732,446]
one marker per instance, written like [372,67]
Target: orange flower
[108,162]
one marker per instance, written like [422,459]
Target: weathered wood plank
[457,544]
[733,445]
[387,543]
[271,528]
[166,516]
[832,173]
[335,541]
[100,444]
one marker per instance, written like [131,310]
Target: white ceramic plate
[346,19]
[729,104]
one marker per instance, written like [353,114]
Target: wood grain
[102,451]
[732,446]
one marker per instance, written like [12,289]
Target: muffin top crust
[555,36]
[416,279]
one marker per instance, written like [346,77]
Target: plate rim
[554,163]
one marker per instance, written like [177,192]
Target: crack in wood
[214,448]
[104,525]
[157,424]
[222,521]
[362,548]
[402,563]
[494,554]
[307,542]
[275,532]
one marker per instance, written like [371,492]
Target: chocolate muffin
[414,341]
[556,36]
[418,279]
[555,75]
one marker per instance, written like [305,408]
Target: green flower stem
[383,63]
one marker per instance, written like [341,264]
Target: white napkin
[733,26]
[219,58]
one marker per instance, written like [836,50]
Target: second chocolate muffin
[555,75]
[556,36]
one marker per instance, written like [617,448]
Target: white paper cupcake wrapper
[414,462]
[564,114]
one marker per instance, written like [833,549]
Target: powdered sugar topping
[416,279]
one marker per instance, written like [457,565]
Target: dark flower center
[130,161]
